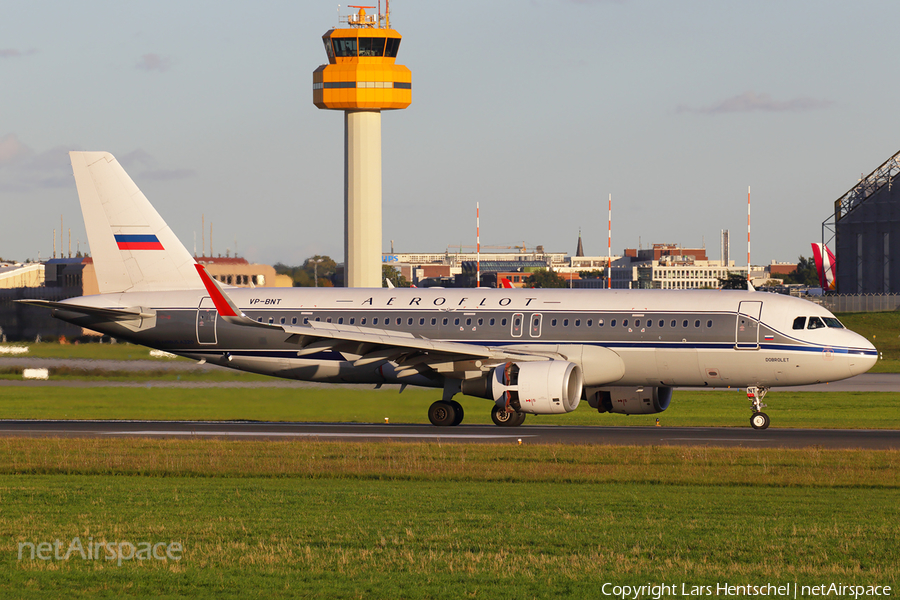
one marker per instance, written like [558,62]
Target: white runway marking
[324,434]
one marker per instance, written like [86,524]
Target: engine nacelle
[543,387]
[631,401]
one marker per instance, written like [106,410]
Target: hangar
[866,221]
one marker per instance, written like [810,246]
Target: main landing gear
[445,413]
[506,419]
[759,420]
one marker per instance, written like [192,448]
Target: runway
[624,436]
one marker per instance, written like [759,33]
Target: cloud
[154,62]
[168,174]
[141,158]
[14,53]
[12,149]
[751,101]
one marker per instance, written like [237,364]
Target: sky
[537,110]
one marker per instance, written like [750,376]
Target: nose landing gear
[759,420]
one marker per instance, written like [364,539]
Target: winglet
[505,282]
[223,303]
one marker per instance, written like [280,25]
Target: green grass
[332,520]
[883,330]
[843,410]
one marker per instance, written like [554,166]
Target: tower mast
[362,79]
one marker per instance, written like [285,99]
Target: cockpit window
[833,323]
[815,323]
[799,322]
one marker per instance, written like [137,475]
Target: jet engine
[631,401]
[543,387]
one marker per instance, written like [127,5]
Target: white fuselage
[664,338]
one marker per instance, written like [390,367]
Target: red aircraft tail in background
[825,263]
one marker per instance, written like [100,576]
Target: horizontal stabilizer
[111,314]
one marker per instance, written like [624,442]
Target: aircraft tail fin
[132,247]
[824,266]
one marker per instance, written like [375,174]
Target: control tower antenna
[362,79]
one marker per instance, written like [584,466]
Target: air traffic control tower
[362,79]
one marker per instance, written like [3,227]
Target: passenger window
[433,321]
[422,321]
[503,322]
[684,323]
[294,321]
[492,322]
[374,320]
[362,321]
[399,320]
[624,322]
[637,322]
[673,323]
[599,322]
[468,321]
[409,321]
[340,320]
[328,320]
[799,323]
[612,323]
[649,322]
[553,323]
[577,322]
[305,320]
[480,322]
[271,320]
[456,321]
[815,323]
[709,324]
[352,320]
[259,320]
[662,323]
[444,322]
[282,320]
[697,323]
[565,322]
[590,322]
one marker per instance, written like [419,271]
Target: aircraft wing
[364,345]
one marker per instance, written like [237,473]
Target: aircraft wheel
[759,420]
[504,419]
[442,414]
[459,412]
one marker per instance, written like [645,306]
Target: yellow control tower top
[361,72]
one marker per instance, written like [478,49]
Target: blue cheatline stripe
[326,355]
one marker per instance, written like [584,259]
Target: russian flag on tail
[128,241]
[824,266]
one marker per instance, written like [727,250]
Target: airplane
[527,351]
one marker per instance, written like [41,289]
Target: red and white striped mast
[609,248]
[477,245]
[748,237]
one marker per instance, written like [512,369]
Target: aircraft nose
[863,357]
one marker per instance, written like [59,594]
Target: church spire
[580,250]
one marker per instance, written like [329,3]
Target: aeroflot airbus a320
[525,350]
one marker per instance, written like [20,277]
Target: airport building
[865,222]
[660,266]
